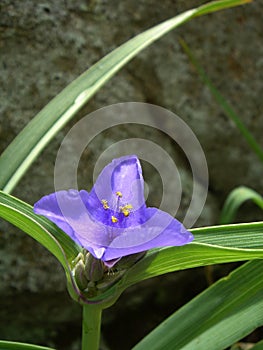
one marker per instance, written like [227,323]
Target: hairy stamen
[126,209]
[105,204]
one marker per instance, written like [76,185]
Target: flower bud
[79,273]
[94,268]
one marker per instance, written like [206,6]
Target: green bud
[79,257]
[79,273]
[94,268]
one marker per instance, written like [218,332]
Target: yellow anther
[105,204]
[119,194]
[126,212]
[126,209]
[114,219]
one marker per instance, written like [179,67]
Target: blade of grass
[258,346]
[42,230]
[21,215]
[8,345]
[245,235]
[166,260]
[254,145]
[212,245]
[217,244]
[215,319]
[218,5]
[235,199]
[24,149]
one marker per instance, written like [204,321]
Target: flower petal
[123,176]
[97,252]
[127,179]
[67,210]
[160,230]
[111,263]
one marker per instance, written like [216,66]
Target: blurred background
[44,46]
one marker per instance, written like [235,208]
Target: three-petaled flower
[112,221]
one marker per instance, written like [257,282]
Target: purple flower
[112,221]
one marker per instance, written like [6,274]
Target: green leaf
[42,230]
[36,135]
[8,345]
[212,245]
[245,235]
[258,346]
[192,255]
[218,5]
[224,104]
[235,199]
[219,244]
[215,319]
[50,236]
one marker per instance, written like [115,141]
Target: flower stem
[91,323]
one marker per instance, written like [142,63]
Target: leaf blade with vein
[216,318]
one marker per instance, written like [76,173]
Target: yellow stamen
[105,204]
[126,209]
[119,194]
[114,219]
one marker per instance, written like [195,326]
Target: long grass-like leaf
[213,245]
[36,135]
[227,108]
[9,345]
[258,346]
[41,229]
[235,199]
[245,235]
[166,260]
[219,244]
[215,319]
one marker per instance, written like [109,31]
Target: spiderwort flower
[112,221]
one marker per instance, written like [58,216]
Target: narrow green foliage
[42,230]
[215,6]
[245,235]
[258,346]
[212,245]
[8,345]
[215,319]
[257,149]
[235,199]
[160,261]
